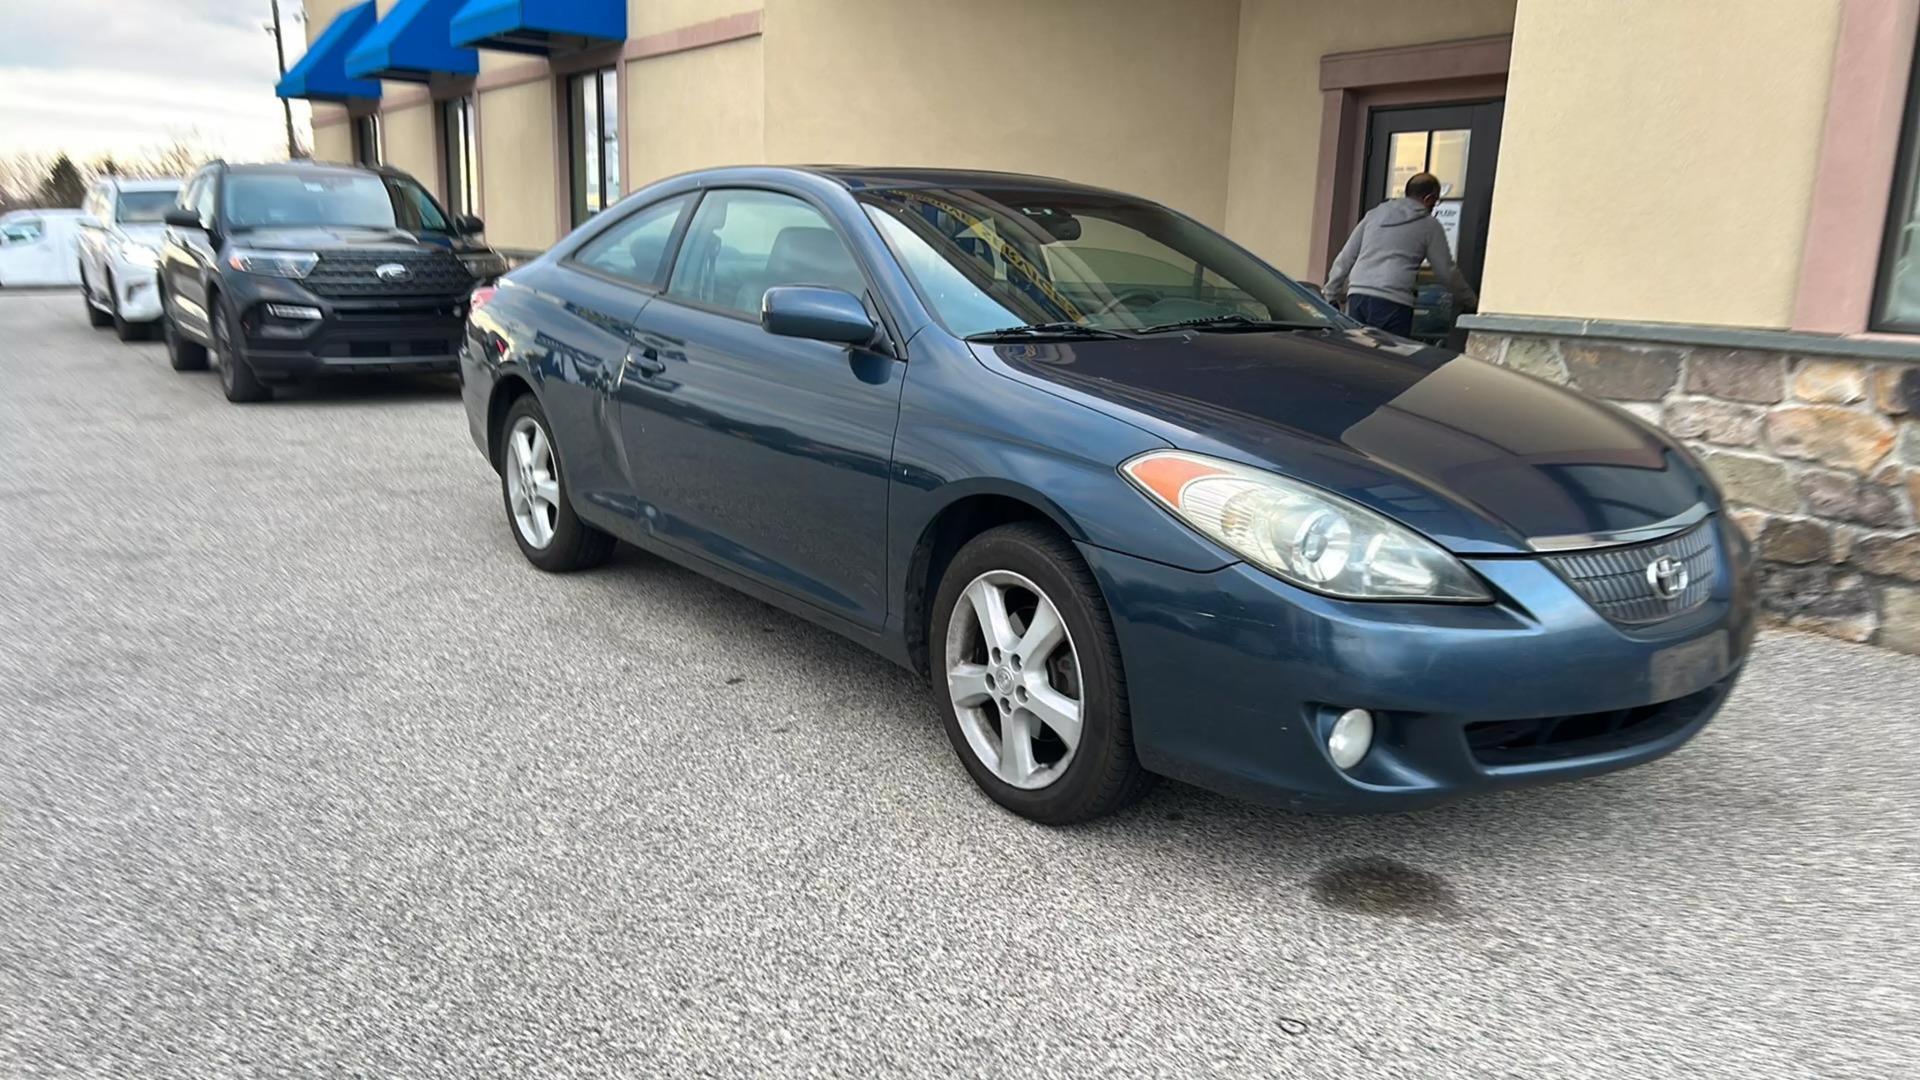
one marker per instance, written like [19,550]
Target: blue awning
[411,44]
[543,27]
[320,75]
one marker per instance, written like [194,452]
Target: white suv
[120,239]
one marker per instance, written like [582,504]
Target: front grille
[352,274]
[1556,738]
[1614,580]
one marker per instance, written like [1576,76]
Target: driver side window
[742,243]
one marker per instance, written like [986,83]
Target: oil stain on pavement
[1376,886]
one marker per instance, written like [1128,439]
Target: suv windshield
[998,259]
[145,206]
[337,198]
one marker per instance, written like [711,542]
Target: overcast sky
[92,77]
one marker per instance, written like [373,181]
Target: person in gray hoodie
[1375,271]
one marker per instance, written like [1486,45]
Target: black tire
[122,329]
[236,375]
[1103,775]
[575,545]
[183,353]
[95,317]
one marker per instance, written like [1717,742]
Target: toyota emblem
[1668,576]
[392,272]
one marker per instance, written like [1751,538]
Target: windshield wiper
[1228,323]
[1047,330]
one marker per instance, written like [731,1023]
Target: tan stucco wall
[1657,159]
[517,183]
[647,17]
[408,144]
[1277,99]
[333,141]
[695,110]
[1132,94]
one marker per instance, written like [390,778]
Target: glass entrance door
[1459,145]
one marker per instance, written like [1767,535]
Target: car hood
[144,233]
[1478,457]
[315,237]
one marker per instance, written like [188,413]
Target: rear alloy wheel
[1035,702]
[236,375]
[549,533]
[183,353]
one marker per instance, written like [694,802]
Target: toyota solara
[1135,502]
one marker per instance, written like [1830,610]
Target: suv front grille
[353,274]
[1615,580]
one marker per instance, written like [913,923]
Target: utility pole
[280,51]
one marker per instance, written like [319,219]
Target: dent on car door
[581,355]
[769,455]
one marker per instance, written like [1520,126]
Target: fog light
[292,311]
[1351,738]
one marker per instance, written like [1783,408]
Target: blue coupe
[1135,502]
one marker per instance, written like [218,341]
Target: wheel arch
[510,387]
[972,510]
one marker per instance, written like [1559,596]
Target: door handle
[646,360]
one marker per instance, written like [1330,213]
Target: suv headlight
[287,264]
[1301,534]
[484,265]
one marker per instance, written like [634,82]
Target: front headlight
[484,265]
[139,255]
[287,264]
[1300,534]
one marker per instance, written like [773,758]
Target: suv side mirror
[809,311]
[181,217]
[468,225]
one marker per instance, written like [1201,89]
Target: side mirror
[90,222]
[468,225]
[181,217]
[815,313]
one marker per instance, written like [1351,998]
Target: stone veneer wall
[1819,458]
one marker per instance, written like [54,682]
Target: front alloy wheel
[1014,679]
[1036,696]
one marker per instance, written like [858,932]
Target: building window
[366,139]
[457,156]
[593,139]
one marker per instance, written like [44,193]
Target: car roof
[857,177]
[296,167]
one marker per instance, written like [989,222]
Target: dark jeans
[1382,314]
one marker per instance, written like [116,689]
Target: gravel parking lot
[304,772]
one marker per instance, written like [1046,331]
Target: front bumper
[136,290]
[359,336]
[1233,678]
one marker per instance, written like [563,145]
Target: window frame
[870,295]
[457,201]
[364,129]
[658,287]
[1901,200]
[601,76]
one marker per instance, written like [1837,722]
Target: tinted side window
[742,243]
[634,249]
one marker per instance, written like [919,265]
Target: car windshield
[145,206]
[330,198]
[1000,259]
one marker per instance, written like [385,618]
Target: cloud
[91,77]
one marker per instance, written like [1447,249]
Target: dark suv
[298,269]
